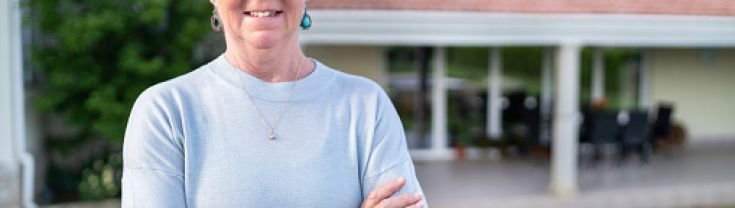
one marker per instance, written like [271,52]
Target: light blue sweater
[195,141]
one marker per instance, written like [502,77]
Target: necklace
[271,134]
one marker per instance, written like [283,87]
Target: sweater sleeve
[389,157]
[153,158]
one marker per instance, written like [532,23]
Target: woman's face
[262,24]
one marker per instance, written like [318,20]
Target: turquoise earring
[305,21]
[214,21]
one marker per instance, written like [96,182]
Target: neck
[277,64]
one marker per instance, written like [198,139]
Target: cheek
[231,4]
[298,14]
[231,12]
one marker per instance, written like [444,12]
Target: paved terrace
[701,175]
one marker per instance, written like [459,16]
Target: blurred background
[525,103]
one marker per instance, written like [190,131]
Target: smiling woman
[264,126]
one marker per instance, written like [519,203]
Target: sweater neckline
[319,79]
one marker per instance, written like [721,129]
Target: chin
[265,40]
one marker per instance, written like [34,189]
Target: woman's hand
[380,197]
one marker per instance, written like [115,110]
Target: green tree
[96,57]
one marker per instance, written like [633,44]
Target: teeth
[263,13]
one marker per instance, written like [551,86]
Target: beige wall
[701,84]
[366,61]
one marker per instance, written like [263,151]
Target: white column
[439,102]
[564,146]
[644,97]
[598,74]
[547,64]
[12,107]
[494,89]
[6,87]
[9,169]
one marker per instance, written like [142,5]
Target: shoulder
[175,90]
[362,93]
[358,85]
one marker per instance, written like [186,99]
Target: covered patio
[562,34]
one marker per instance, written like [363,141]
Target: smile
[265,13]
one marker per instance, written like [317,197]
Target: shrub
[96,57]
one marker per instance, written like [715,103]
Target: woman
[265,126]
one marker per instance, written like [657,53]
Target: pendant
[271,135]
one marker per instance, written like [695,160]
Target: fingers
[419,204]
[404,200]
[384,191]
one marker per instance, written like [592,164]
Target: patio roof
[462,28]
[668,7]
[617,23]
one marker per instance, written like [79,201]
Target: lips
[263,13]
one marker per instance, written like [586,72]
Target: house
[687,56]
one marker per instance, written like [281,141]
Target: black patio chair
[532,120]
[586,124]
[662,124]
[634,136]
[603,130]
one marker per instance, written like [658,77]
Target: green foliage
[614,68]
[102,179]
[97,56]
